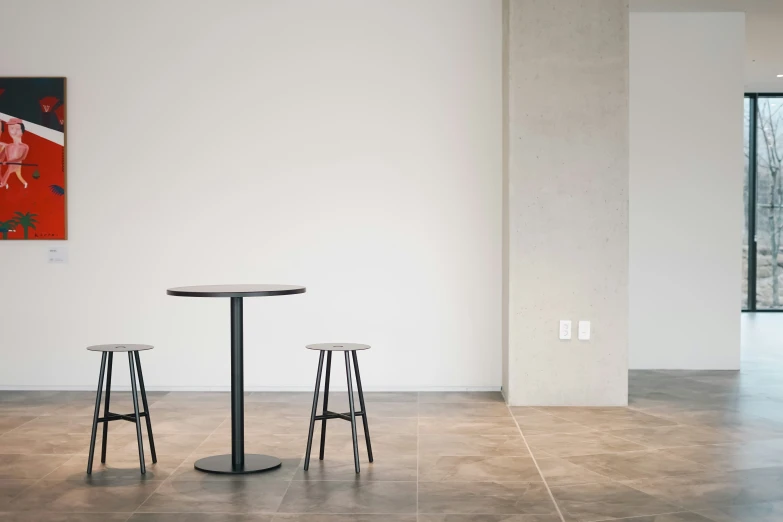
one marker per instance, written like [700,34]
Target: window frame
[752,272]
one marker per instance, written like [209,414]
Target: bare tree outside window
[769,205]
[746,200]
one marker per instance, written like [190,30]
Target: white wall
[763,41]
[686,84]
[567,201]
[351,146]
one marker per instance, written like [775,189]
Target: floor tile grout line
[41,479]
[681,509]
[678,512]
[611,433]
[187,459]
[678,506]
[23,424]
[609,479]
[630,452]
[588,429]
[71,456]
[604,429]
[705,468]
[564,457]
[290,482]
[535,462]
[156,489]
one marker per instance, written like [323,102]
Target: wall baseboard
[255,388]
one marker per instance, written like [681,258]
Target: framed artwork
[32,158]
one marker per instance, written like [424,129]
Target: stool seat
[338,347]
[120,347]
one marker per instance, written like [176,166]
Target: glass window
[769,202]
[746,200]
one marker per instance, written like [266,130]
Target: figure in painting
[12,154]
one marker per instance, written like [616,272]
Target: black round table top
[235,290]
[119,348]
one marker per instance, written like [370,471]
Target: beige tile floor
[691,447]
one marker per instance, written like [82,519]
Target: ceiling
[763,23]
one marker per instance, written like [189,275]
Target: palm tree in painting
[26,221]
[6,227]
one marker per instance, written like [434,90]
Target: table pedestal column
[238,462]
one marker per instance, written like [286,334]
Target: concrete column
[566,201]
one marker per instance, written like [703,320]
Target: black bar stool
[327,349]
[133,353]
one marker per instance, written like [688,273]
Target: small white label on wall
[58,254]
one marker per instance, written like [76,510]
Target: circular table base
[222,464]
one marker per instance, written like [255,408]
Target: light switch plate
[565,330]
[584,330]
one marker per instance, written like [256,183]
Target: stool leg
[106,410]
[136,413]
[361,404]
[146,407]
[95,415]
[313,412]
[353,412]
[326,403]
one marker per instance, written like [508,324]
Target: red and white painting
[32,158]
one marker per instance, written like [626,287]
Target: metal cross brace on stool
[333,415]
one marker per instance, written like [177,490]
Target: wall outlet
[584,330]
[565,330]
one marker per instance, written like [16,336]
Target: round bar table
[237,462]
